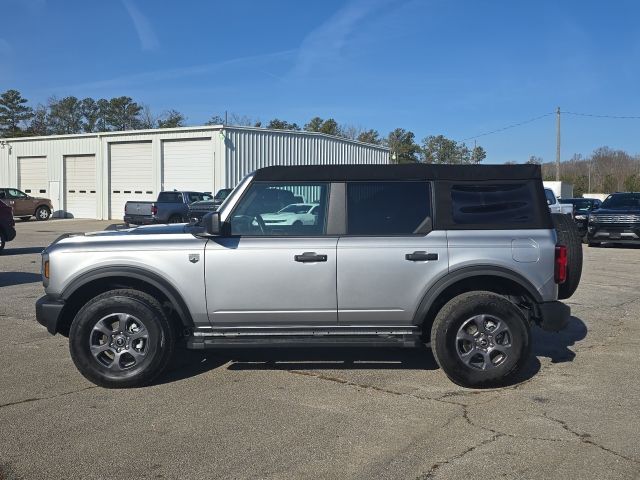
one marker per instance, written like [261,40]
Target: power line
[513,125]
[620,117]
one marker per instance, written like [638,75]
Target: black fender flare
[464,273]
[137,273]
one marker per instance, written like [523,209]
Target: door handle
[421,256]
[307,257]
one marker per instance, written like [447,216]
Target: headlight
[581,217]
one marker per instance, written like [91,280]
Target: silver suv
[464,258]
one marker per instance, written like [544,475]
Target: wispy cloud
[146,34]
[34,6]
[324,44]
[5,47]
[255,63]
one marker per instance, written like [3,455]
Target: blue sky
[459,68]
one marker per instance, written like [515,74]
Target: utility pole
[558,144]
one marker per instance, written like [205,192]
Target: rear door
[390,255]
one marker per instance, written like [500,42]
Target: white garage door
[131,175]
[187,165]
[33,177]
[80,186]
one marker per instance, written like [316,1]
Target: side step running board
[300,337]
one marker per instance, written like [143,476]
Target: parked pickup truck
[171,207]
[555,206]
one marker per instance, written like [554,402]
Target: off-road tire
[42,214]
[161,339]
[569,236]
[451,318]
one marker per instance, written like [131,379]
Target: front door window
[281,209]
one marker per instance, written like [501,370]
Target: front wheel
[480,339]
[121,339]
[43,213]
[3,241]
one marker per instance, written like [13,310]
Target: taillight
[560,273]
[154,209]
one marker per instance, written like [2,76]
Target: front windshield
[622,200]
[295,209]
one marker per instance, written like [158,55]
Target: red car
[7,225]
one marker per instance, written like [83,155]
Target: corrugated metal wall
[248,149]
[237,151]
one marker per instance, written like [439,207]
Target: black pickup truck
[616,221]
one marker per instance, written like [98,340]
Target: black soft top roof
[409,171]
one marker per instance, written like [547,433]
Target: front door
[21,203]
[275,267]
[390,256]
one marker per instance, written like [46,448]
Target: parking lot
[325,413]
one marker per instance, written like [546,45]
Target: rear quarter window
[505,204]
[170,197]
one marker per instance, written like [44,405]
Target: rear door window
[388,208]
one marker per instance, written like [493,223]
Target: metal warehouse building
[93,175]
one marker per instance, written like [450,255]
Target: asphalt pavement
[328,413]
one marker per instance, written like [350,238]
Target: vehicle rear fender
[489,278]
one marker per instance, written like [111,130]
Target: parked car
[170,207]
[294,214]
[7,225]
[555,206]
[197,210]
[386,263]
[25,206]
[582,207]
[617,220]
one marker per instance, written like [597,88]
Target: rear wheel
[3,241]
[120,339]
[480,339]
[175,219]
[25,219]
[43,213]
[569,236]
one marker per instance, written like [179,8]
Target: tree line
[606,170]
[70,115]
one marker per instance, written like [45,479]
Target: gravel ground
[325,413]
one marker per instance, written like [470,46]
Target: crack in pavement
[432,471]
[445,398]
[37,399]
[586,439]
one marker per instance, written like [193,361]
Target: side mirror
[212,224]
